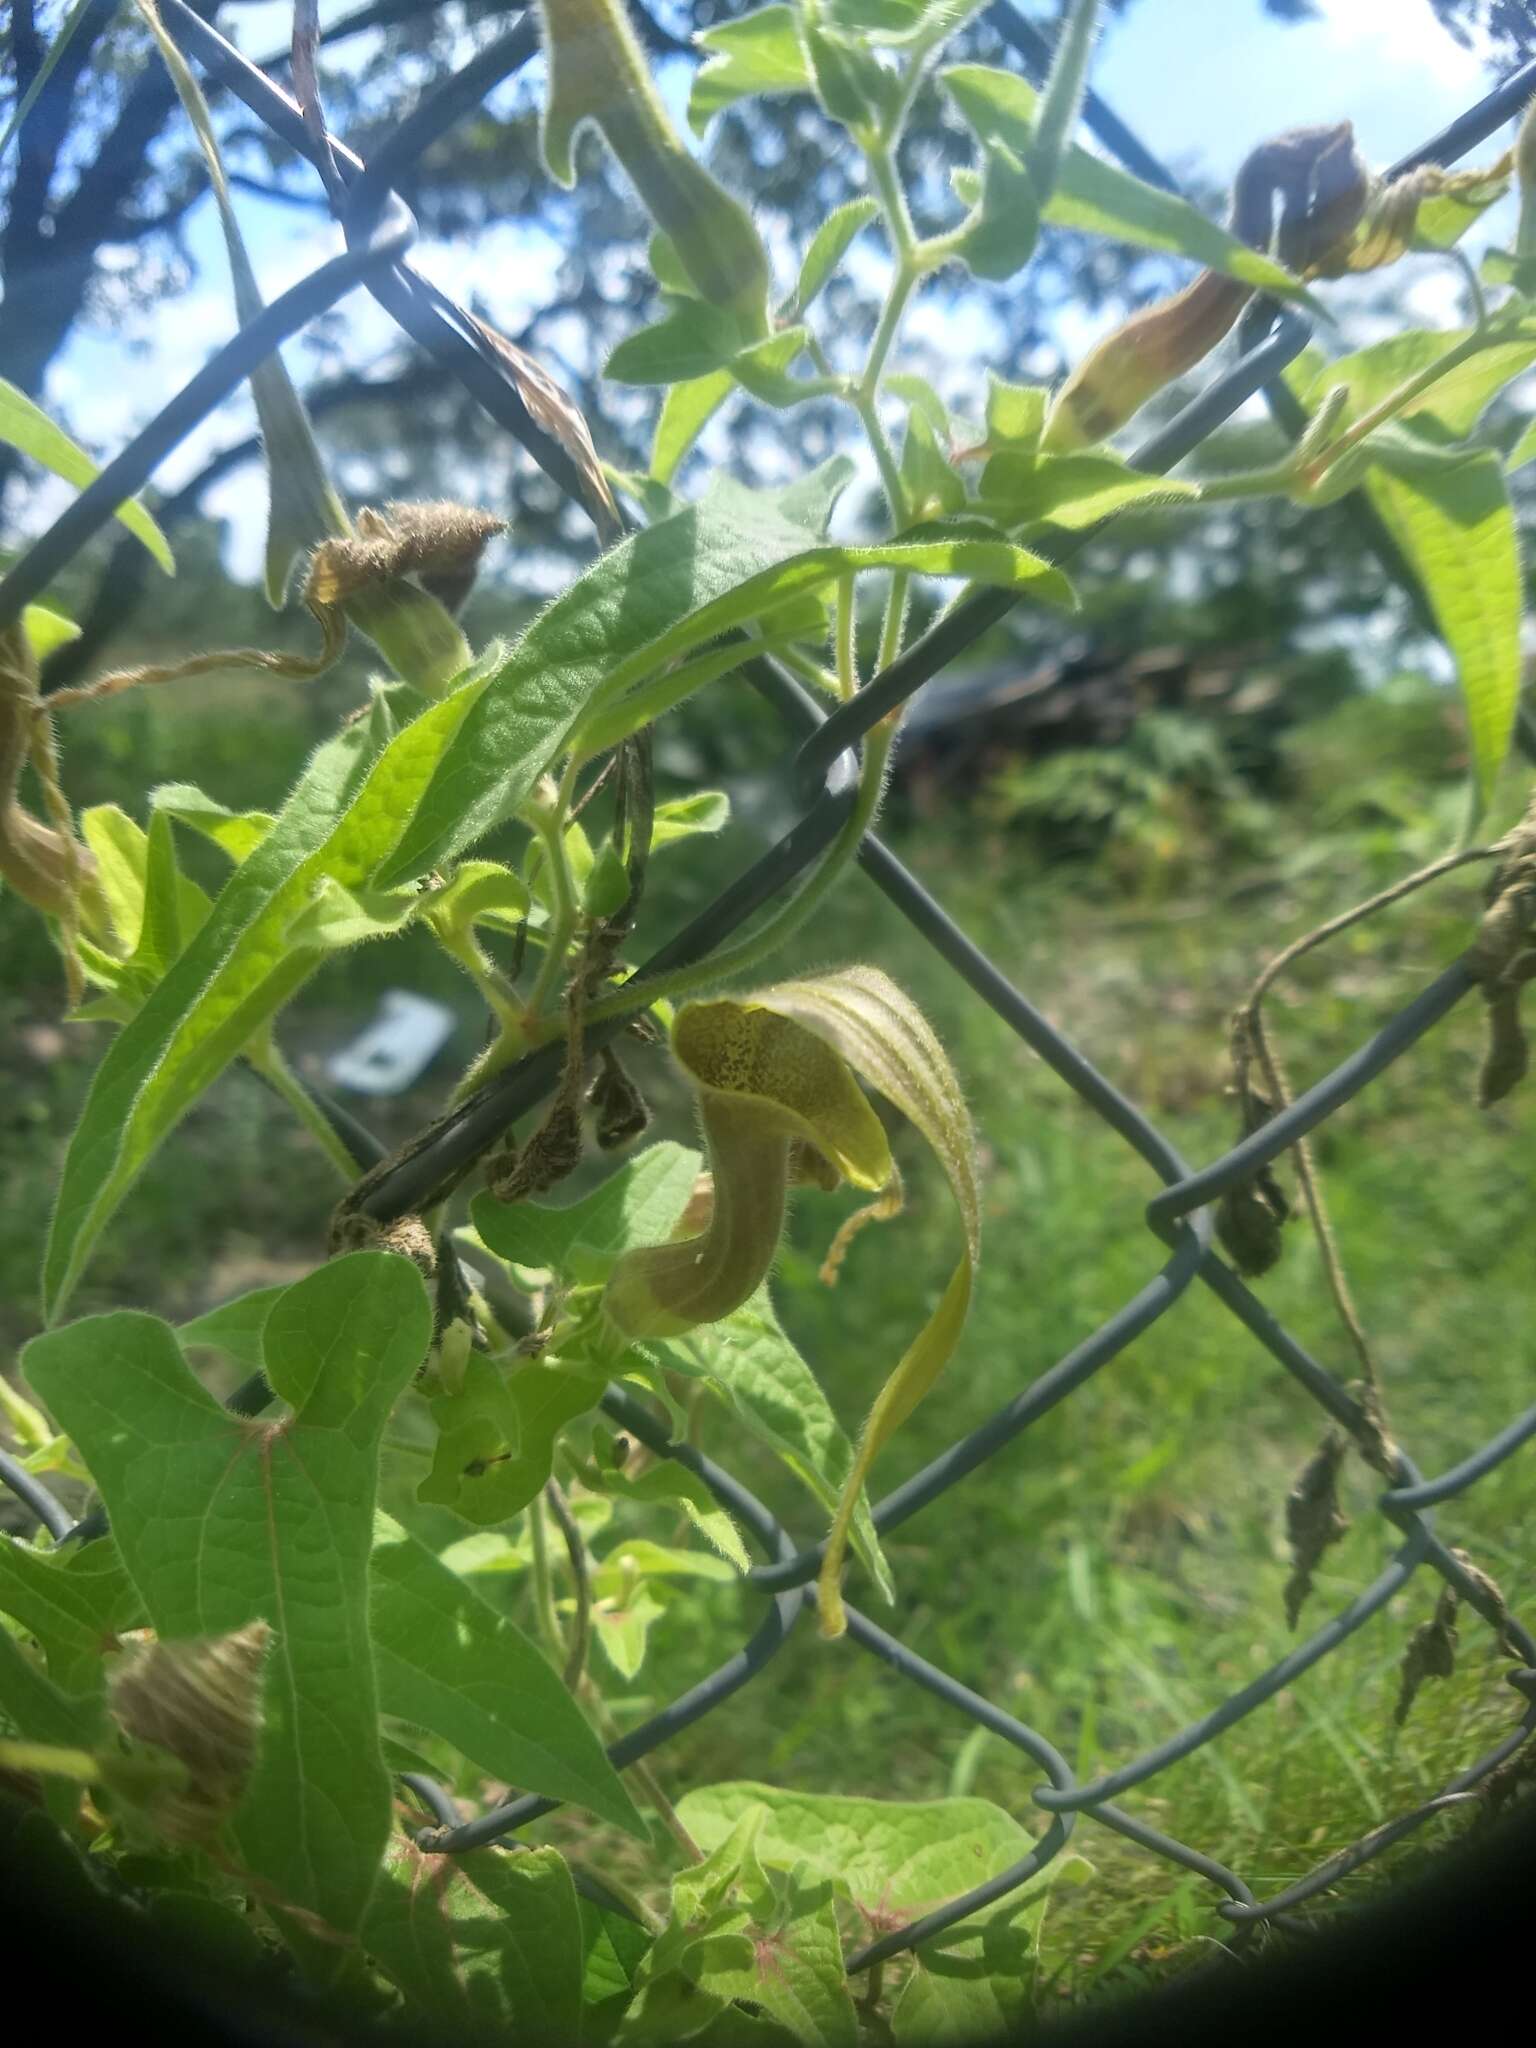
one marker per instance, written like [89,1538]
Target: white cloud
[1398,36]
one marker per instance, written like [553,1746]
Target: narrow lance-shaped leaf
[26,426]
[450,1662]
[221,1522]
[340,822]
[685,412]
[1456,528]
[713,567]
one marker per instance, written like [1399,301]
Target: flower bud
[597,72]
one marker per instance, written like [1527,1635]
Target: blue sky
[1200,80]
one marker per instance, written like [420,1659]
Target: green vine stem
[275,1070]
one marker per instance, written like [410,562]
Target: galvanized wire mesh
[379,231]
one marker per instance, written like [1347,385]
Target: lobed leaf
[221,1522]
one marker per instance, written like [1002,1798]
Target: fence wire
[379,231]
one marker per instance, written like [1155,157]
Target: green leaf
[758,54]
[796,1974]
[764,370]
[621,1628]
[853,86]
[220,1522]
[237,833]
[496,1436]
[26,426]
[336,917]
[690,342]
[46,629]
[1455,527]
[637,1556]
[615,1948]
[683,817]
[481,892]
[1015,413]
[829,245]
[1522,451]
[450,1663]
[174,907]
[235,1328]
[494,1937]
[73,1602]
[685,411]
[36,1707]
[343,819]
[752,1366]
[1445,217]
[933,488]
[1454,403]
[635,1205]
[887,1855]
[972,1987]
[37,1710]
[710,568]
[669,1482]
[667,268]
[1070,491]
[1094,196]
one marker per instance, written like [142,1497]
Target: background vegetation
[1121,1568]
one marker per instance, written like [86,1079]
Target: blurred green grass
[1117,1571]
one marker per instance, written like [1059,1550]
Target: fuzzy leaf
[758,54]
[685,411]
[580,1241]
[1100,199]
[710,568]
[754,1368]
[829,245]
[1070,491]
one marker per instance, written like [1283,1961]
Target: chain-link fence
[379,231]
